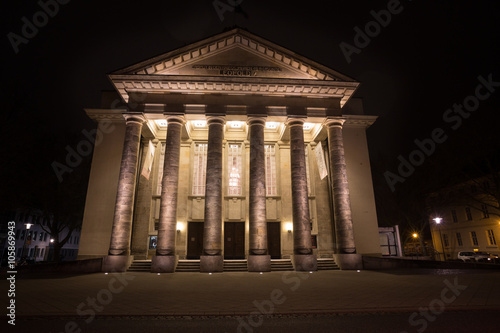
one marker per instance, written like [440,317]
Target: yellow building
[464,219]
[230,148]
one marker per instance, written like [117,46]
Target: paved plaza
[197,294]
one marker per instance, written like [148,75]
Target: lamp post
[26,241]
[438,221]
[415,236]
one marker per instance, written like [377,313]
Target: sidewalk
[197,294]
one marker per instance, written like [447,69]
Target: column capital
[137,117]
[257,120]
[334,122]
[295,121]
[216,119]
[178,119]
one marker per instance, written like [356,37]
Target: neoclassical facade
[230,148]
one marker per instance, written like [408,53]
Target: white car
[473,256]
[466,256]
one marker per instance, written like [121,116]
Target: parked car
[482,256]
[474,256]
[466,256]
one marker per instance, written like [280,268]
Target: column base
[305,262]
[348,261]
[163,264]
[259,263]
[111,264]
[211,264]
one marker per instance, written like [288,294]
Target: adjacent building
[464,218]
[232,147]
[33,242]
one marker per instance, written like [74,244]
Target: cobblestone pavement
[274,293]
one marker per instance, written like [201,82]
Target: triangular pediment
[235,53]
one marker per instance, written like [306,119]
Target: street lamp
[28,226]
[438,221]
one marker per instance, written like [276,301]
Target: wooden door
[195,240]
[234,240]
[274,239]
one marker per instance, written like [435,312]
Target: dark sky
[427,58]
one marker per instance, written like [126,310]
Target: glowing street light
[438,221]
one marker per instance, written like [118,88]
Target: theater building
[232,147]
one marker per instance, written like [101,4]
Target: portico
[231,147]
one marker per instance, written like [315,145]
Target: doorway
[274,239]
[234,240]
[195,240]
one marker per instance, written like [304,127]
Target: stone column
[212,260]
[164,261]
[346,248]
[304,259]
[119,248]
[258,258]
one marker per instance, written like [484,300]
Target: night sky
[428,57]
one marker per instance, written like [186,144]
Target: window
[160,169]
[445,240]
[23,233]
[37,252]
[484,208]
[468,213]
[271,186]
[199,168]
[17,234]
[473,237]
[45,237]
[454,215]
[42,252]
[41,236]
[34,235]
[234,169]
[491,237]
[459,239]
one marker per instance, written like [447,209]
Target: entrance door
[234,240]
[195,240]
[274,239]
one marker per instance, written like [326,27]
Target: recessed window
[199,168]
[468,213]
[234,169]
[484,209]
[454,216]
[491,237]
[271,186]
[473,237]
[459,239]
[446,240]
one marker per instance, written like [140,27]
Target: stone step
[327,264]
[140,266]
[235,265]
[281,265]
[188,266]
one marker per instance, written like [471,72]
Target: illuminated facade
[231,147]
